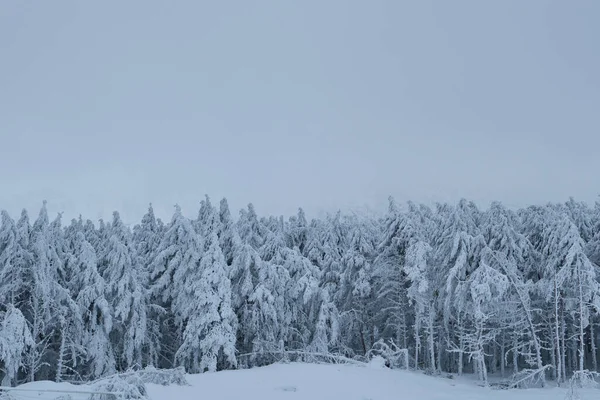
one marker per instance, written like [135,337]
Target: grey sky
[322,104]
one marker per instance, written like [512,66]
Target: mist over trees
[464,290]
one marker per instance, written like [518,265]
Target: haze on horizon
[111,105]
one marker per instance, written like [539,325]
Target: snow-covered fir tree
[146,239]
[177,256]
[93,351]
[126,293]
[208,339]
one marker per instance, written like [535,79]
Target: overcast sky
[323,104]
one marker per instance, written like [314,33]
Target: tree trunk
[417,339]
[515,355]
[563,349]
[483,370]
[481,354]
[530,324]
[430,333]
[553,351]
[574,359]
[593,343]
[440,353]
[61,355]
[494,363]
[559,359]
[581,327]
[502,355]
[461,344]
[362,340]
[35,334]
[404,333]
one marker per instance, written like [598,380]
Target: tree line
[462,289]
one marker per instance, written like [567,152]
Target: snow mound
[377,362]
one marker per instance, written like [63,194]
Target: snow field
[297,381]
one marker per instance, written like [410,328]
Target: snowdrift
[296,381]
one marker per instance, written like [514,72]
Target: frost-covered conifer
[572,282]
[229,239]
[297,234]
[14,259]
[177,258]
[250,229]
[513,255]
[204,301]
[126,294]
[146,238]
[355,295]
[95,320]
[15,339]
[49,303]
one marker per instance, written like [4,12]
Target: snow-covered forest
[464,290]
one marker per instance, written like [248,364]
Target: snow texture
[317,382]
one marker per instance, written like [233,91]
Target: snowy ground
[321,382]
